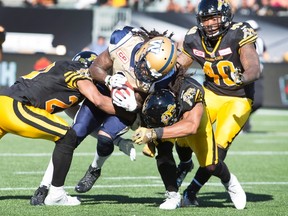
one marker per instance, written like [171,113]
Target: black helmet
[85,58]
[160,109]
[208,8]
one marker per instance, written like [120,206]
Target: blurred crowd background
[245,7]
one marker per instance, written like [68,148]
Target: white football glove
[237,76]
[118,80]
[123,99]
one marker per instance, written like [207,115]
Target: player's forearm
[106,105]
[251,74]
[251,64]
[179,129]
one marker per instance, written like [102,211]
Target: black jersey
[191,92]
[53,88]
[217,62]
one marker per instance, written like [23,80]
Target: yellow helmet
[156,58]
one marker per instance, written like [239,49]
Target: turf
[259,160]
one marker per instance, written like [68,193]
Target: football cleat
[87,182]
[39,196]
[172,201]
[182,171]
[236,192]
[58,196]
[189,199]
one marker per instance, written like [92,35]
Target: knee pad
[210,169]
[68,143]
[105,146]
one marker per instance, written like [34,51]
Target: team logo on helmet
[157,58]
[168,114]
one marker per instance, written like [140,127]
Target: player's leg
[207,156]
[186,164]
[125,145]
[33,122]
[62,158]
[84,123]
[111,128]
[166,166]
[233,116]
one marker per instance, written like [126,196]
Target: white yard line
[84,154]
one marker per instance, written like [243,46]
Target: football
[126,88]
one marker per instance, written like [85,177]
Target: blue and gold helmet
[157,58]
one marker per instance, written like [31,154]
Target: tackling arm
[188,125]
[90,91]
[184,61]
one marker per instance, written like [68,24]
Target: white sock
[56,191]
[47,178]
[99,160]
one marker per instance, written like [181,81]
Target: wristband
[159,132]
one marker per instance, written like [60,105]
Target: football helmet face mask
[86,58]
[160,109]
[156,58]
[210,9]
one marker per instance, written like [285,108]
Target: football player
[227,54]
[226,51]
[143,59]
[186,118]
[124,145]
[28,108]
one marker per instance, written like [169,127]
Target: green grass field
[258,159]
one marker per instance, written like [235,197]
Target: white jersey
[123,48]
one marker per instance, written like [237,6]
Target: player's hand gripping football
[144,135]
[124,97]
[237,76]
[118,80]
